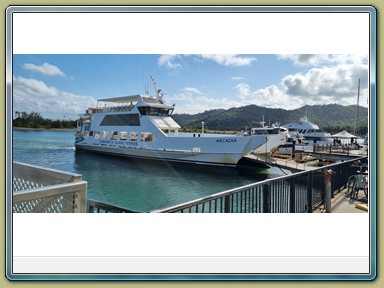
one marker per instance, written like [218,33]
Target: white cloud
[274,97]
[243,90]
[324,59]
[46,69]
[32,95]
[192,101]
[192,90]
[172,61]
[169,61]
[237,78]
[229,59]
[326,85]
[337,84]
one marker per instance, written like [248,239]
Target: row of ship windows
[123,135]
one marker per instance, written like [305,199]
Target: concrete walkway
[341,203]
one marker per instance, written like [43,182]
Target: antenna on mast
[357,107]
[159,94]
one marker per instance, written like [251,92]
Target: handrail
[264,185]
[94,206]
[38,189]
[42,175]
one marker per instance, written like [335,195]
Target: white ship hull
[220,159]
[207,149]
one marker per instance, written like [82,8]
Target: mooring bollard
[327,174]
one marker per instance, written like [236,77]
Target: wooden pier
[309,159]
[281,162]
[339,153]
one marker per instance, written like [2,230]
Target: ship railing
[300,192]
[42,190]
[125,108]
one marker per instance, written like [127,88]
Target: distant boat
[141,126]
[311,132]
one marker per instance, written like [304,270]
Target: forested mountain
[332,118]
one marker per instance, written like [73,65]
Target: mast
[159,94]
[262,122]
[357,107]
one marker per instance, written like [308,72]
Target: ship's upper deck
[139,100]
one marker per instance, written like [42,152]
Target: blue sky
[61,86]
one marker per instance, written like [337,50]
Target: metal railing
[296,193]
[94,206]
[338,149]
[42,190]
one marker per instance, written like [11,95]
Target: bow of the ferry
[271,141]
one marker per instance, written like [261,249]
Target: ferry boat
[141,126]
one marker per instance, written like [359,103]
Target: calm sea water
[134,184]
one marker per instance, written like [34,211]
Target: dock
[338,153]
[296,164]
[341,203]
[307,159]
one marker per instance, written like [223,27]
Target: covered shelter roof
[344,135]
[123,99]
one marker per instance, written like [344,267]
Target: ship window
[121,120]
[104,134]
[91,133]
[155,111]
[97,134]
[146,137]
[86,134]
[123,135]
[260,132]
[114,135]
[133,136]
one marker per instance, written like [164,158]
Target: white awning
[344,134]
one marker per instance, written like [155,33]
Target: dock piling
[328,188]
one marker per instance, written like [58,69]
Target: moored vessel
[141,126]
[310,132]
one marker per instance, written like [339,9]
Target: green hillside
[332,118]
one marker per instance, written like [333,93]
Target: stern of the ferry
[82,128]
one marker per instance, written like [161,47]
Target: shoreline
[44,129]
